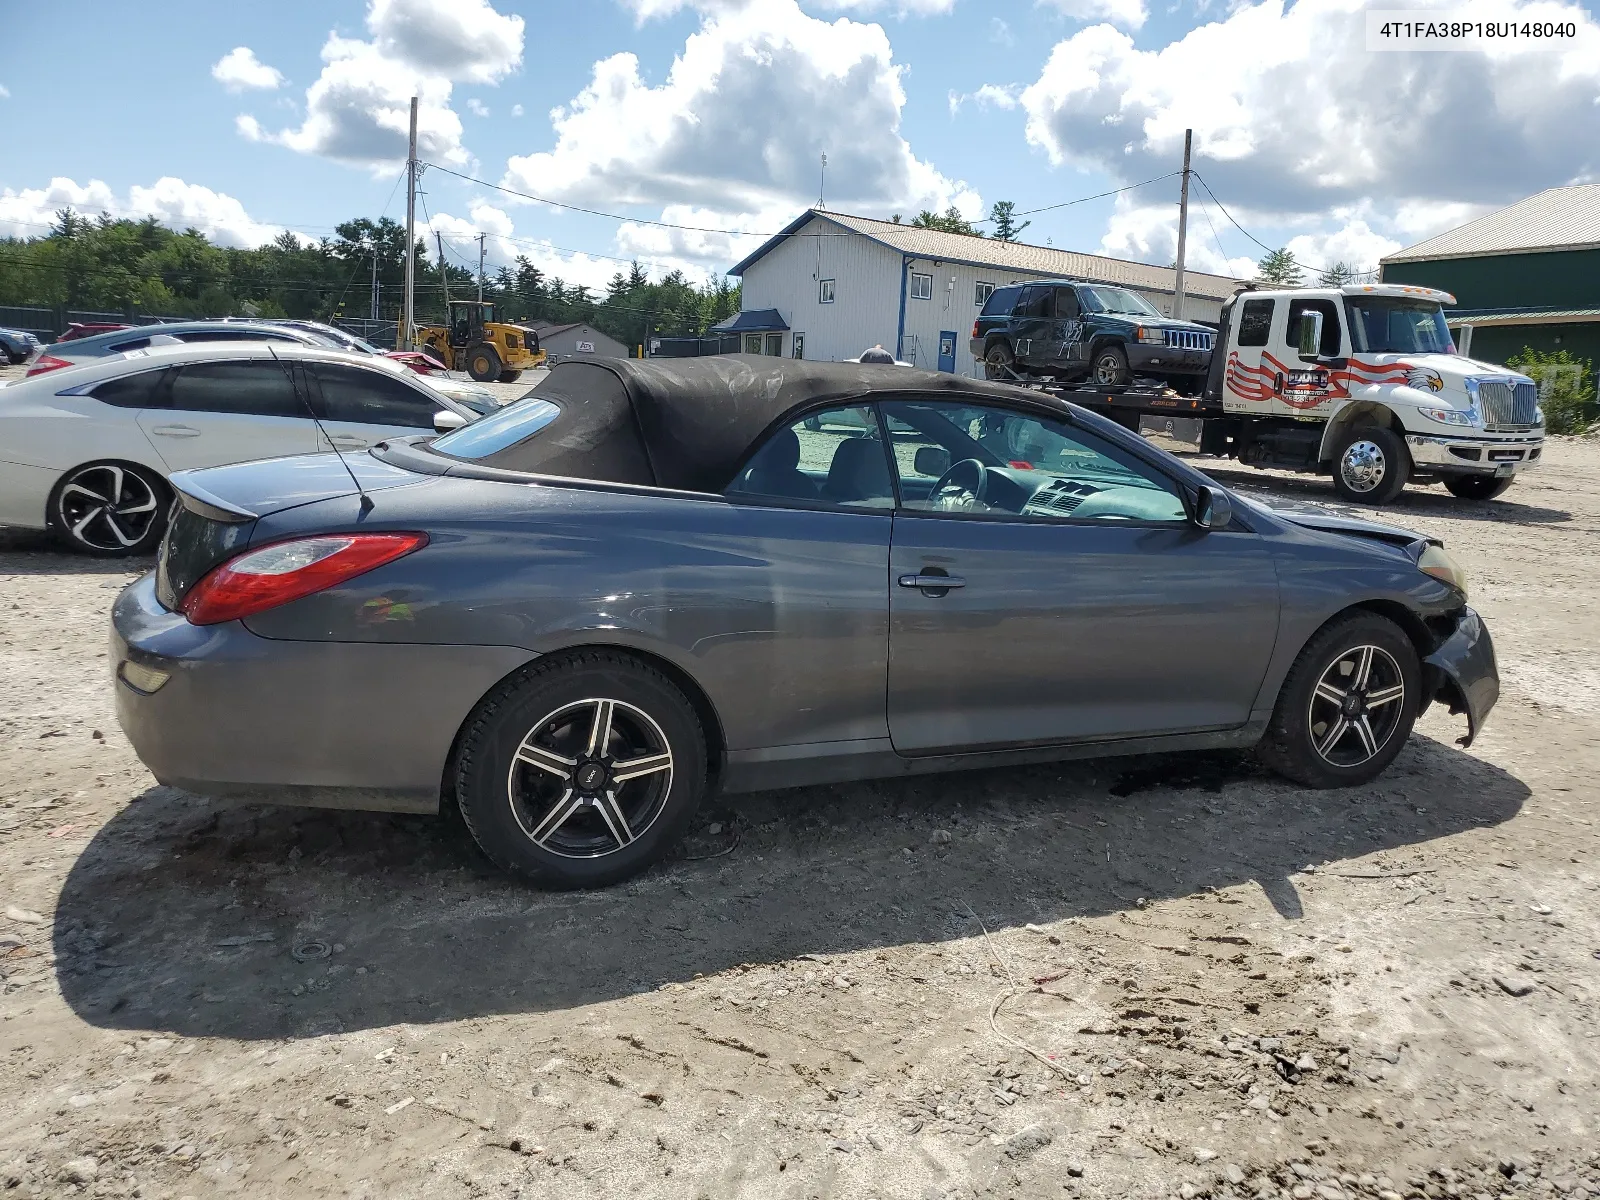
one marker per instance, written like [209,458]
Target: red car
[83,329]
[420,362]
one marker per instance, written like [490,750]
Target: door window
[1066,304]
[234,335]
[984,461]
[132,391]
[254,387]
[1255,322]
[752,343]
[372,398]
[834,458]
[1329,347]
[1035,302]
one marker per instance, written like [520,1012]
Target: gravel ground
[1164,976]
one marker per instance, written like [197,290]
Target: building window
[775,345]
[981,296]
[921,286]
[824,291]
[752,343]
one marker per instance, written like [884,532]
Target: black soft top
[689,423]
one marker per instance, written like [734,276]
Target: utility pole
[374,281]
[482,237]
[1183,225]
[408,315]
[444,274]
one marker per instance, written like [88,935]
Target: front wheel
[1347,705]
[483,364]
[510,376]
[581,770]
[1477,487]
[1370,466]
[115,510]
[1110,366]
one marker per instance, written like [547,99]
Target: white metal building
[830,285]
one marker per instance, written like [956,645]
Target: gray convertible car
[646,580]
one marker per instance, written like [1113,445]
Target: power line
[1086,199]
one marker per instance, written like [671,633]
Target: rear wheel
[510,376]
[1110,366]
[1347,705]
[581,770]
[112,509]
[998,362]
[483,363]
[1370,465]
[1477,487]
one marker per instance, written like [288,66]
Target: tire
[525,760]
[1110,366]
[110,509]
[434,353]
[1370,465]
[999,362]
[1297,744]
[483,363]
[1477,487]
[510,376]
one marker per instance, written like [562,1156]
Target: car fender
[1472,681]
[1356,412]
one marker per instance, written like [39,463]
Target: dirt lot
[1117,978]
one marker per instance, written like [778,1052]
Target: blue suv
[1071,330]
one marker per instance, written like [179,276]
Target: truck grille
[1508,407]
[1188,339]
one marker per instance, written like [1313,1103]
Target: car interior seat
[775,471]
[859,473]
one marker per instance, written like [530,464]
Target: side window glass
[1066,304]
[132,391]
[979,460]
[1035,300]
[1329,347]
[372,398]
[1255,322]
[833,457]
[255,387]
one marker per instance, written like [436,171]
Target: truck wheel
[998,362]
[510,376]
[1110,366]
[1477,487]
[1370,465]
[483,363]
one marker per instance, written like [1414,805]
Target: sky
[710,118]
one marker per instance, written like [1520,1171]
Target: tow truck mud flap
[1177,435]
[1466,659]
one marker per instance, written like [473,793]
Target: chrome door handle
[932,581]
[176,431]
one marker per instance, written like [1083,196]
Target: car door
[1081,603]
[1251,379]
[362,406]
[227,411]
[1068,345]
[1031,325]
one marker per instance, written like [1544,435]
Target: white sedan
[85,452]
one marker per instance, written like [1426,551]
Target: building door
[775,345]
[752,343]
[947,350]
[799,345]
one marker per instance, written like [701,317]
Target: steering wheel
[963,486]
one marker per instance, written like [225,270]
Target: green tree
[1279,268]
[1566,387]
[1002,214]
[1339,274]
[950,221]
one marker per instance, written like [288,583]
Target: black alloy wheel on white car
[110,509]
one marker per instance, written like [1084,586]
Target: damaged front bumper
[1463,673]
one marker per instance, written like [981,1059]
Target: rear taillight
[46,363]
[286,571]
[975,329]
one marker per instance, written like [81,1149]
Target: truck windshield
[1117,300]
[1385,325]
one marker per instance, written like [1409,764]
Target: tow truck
[1360,382]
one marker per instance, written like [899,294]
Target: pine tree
[1003,214]
[1280,268]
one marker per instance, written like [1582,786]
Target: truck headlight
[1538,416]
[1441,565]
[1153,337]
[1449,416]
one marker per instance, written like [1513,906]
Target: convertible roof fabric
[698,418]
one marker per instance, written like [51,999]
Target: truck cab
[1364,382]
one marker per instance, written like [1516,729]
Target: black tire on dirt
[510,376]
[110,509]
[1477,487]
[581,769]
[1370,465]
[999,362]
[1347,705]
[1110,366]
[483,363]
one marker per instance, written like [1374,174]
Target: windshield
[498,430]
[1117,300]
[1384,325]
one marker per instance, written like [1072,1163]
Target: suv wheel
[998,362]
[1110,366]
[111,509]
[1370,465]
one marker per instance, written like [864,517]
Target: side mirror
[1214,510]
[931,460]
[445,420]
[1310,336]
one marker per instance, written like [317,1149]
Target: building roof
[1563,218]
[547,328]
[1026,259]
[755,320]
[1523,316]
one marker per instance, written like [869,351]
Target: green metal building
[1528,275]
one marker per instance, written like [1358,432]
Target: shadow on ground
[182,916]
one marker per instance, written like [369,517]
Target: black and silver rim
[1363,466]
[590,778]
[1356,706]
[108,507]
[1108,369]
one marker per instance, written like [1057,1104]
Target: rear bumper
[23,493]
[1474,456]
[1468,677]
[328,724]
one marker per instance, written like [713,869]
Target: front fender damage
[1463,674]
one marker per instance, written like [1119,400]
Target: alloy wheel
[1363,466]
[1356,706]
[107,507]
[1108,370]
[590,778]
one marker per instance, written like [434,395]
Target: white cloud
[739,125]
[988,96]
[502,247]
[5,92]
[358,110]
[239,70]
[1149,233]
[516,110]
[1129,13]
[176,204]
[648,10]
[477,107]
[1000,33]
